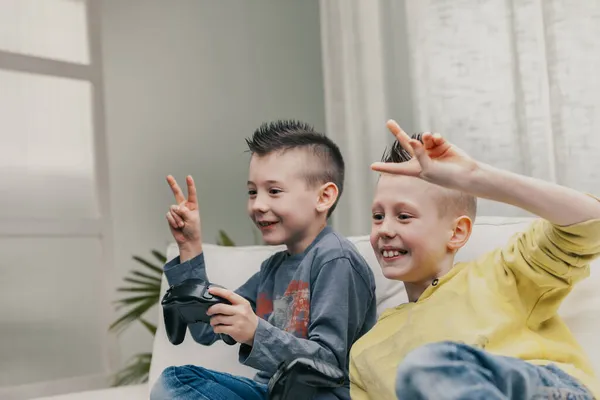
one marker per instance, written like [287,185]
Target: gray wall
[186,82]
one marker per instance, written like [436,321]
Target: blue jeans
[450,370]
[192,382]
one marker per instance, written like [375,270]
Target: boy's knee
[431,354]
[164,384]
[430,358]
[169,383]
[426,357]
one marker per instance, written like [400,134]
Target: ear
[460,234]
[328,194]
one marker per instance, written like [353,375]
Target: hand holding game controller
[188,303]
[234,317]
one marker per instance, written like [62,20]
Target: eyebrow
[400,203]
[270,182]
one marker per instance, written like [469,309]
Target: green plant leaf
[224,239]
[136,370]
[135,301]
[143,275]
[148,264]
[152,283]
[150,326]
[147,283]
[159,256]
[139,289]
[134,313]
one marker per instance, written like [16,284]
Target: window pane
[46,153]
[54,29]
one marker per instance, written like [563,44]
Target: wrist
[250,341]
[488,182]
[474,180]
[189,250]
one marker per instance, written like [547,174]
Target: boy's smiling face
[408,234]
[280,201]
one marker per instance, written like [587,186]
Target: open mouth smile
[266,225]
[390,254]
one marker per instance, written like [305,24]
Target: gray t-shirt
[315,305]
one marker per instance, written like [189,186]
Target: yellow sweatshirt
[505,302]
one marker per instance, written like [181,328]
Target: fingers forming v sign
[192,200]
[184,217]
[434,160]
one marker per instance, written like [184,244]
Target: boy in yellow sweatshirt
[485,329]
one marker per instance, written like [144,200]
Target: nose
[385,230]
[259,205]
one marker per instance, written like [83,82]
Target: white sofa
[231,266]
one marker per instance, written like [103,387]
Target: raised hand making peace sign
[435,160]
[184,217]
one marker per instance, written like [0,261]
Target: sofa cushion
[232,266]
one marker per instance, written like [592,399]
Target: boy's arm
[437,161]
[177,271]
[341,302]
[543,263]
[553,253]
[558,204]
[195,268]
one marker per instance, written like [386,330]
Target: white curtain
[354,79]
[513,82]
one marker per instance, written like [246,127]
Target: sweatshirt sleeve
[549,256]
[176,272]
[341,300]
[546,260]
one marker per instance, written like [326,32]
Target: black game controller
[186,303]
[302,378]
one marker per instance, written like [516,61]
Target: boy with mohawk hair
[486,329]
[313,300]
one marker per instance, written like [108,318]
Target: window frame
[101,227]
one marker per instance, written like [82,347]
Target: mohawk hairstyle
[397,153]
[283,135]
[450,201]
